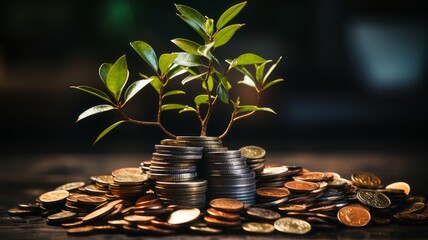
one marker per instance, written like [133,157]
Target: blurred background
[355,74]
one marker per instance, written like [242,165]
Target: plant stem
[206,119]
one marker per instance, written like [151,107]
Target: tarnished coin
[81,230]
[227,204]
[54,196]
[415,207]
[252,152]
[292,225]
[223,215]
[130,179]
[71,186]
[373,198]
[301,186]
[292,207]
[262,213]
[399,185]
[183,216]
[127,171]
[354,216]
[311,177]
[269,192]
[256,227]
[365,180]
[61,216]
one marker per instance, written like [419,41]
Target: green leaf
[103,72]
[260,70]
[248,59]
[156,84]
[187,109]
[93,91]
[147,53]
[243,70]
[224,35]
[187,45]
[229,14]
[188,60]
[223,94]
[210,82]
[204,50]
[271,69]
[272,83]
[94,110]
[223,81]
[201,99]
[173,92]
[209,26]
[250,108]
[107,130]
[135,87]
[172,106]
[192,77]
[176,71]
[117,77]
[200,30]
[236,103]
[192,14]
[247,81]
[165,61]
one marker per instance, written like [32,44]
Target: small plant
[197,63]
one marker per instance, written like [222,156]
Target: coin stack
[269,196]
[224,213]
[189,194]
[276,176]
[175,163]
[82,203]
[255,157]
[229,176]
[209,144]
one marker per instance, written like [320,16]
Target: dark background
[355,74]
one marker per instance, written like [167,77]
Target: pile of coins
[255,157]
[229,176]
[288,199]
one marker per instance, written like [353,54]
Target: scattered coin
[183,216]
[262,213]
[415,207]
[292,225]
[223,215]
[256,227]
[373,198]
[71,186]
[354,216]
[399,185]
[204,229]
[54,196]
[227,204]
[80,230]
[301,186]
[365,180]
[273,192]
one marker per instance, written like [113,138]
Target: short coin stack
[129,185]
[224,213]
[229,176]
[82,203]
[209,144]
[255,157]
[188,194]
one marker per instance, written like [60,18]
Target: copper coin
[154,229]
[91,200]
[263,213]
[131,170]
[221,223]
[119,222]
[227,204]
[101,212]
[401,186]
[60,216]
[311,177]
[365,180]
[354,216]
[54,196]
[104,179]
[81,230]
[270,192]
[73,224]
[204,229]
[183,216]
[71,186]
[130,179]
[223,215]
[292,207]
[139,218]
[163,224]
[301,186]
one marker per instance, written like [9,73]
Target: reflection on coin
[227,204]
[354,216]
[256,227]
[139,218]
[252,152]
[54,196]
[272,171]
[365,180]
[292,225]
[373,198]
[130,170]
[262,213]
[300,186]
[273,192]
[183,216]
[400,185]
[130,179]
[101,212]
[71,186]
[292,207]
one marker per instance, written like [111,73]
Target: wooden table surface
[24,178]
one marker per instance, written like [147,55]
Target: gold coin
[71,186]
[292,225]
[123,171]
[54,196]
[400,186]
[183,216]
[256,227]
[252,152]
[262,213]
[365,180]
[130,179]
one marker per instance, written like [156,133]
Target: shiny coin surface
[227,204]
[365,180]
[301,186]
[354,216]
[292,225]
[252,152]
[127,171]
[292,207]
[273,171]
[130,178]
[256,227]
[223,215]
[373,198]
[71,186]
[273,192]
[399,185]
[262,213]
[138,218]
[183,216]
[311,177]
[80,230]
[91,200]
[54,196]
